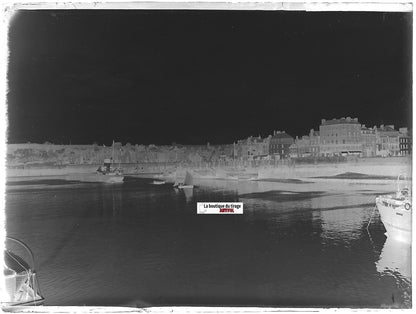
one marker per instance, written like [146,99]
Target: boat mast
[234,154]
[112,155]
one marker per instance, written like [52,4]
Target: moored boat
[157,182]
[96,177]
[21,285]
[187,184]
[109,178]
[107,173]
[396,213]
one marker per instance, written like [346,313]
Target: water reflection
[189,193]
[395,259]
[112,200]
[341,217]
[395,264]
[139,241]
[342,201]
[343,224]
[361,187]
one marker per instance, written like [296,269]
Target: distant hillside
[50,154]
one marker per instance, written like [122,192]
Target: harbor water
[298,244]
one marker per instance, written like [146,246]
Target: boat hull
[158,182]
[96,177]
[185,186]
[20,281]
[397,220]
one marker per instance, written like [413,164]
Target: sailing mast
[188,179]
[112,155]
[234,154]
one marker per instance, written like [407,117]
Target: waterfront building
[387,139]
[293,150]
[340,137]
[315,142]
[405,142]
[368,141]
[279,144]
[301,147]
[306,146]
[253,148]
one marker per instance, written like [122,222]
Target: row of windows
[389,139]
[349,134]
[340,142]
[345,147]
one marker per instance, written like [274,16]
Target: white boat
[107,173]
[21,285]
[110,178]
[187,184]
[396,213]
[157,182]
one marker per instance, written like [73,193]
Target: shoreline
[364,169]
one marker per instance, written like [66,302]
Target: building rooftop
[386,128]
[281,135]
[313,133]
[252,140]
[367,130]
[346,120]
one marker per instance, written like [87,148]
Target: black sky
[193,77]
